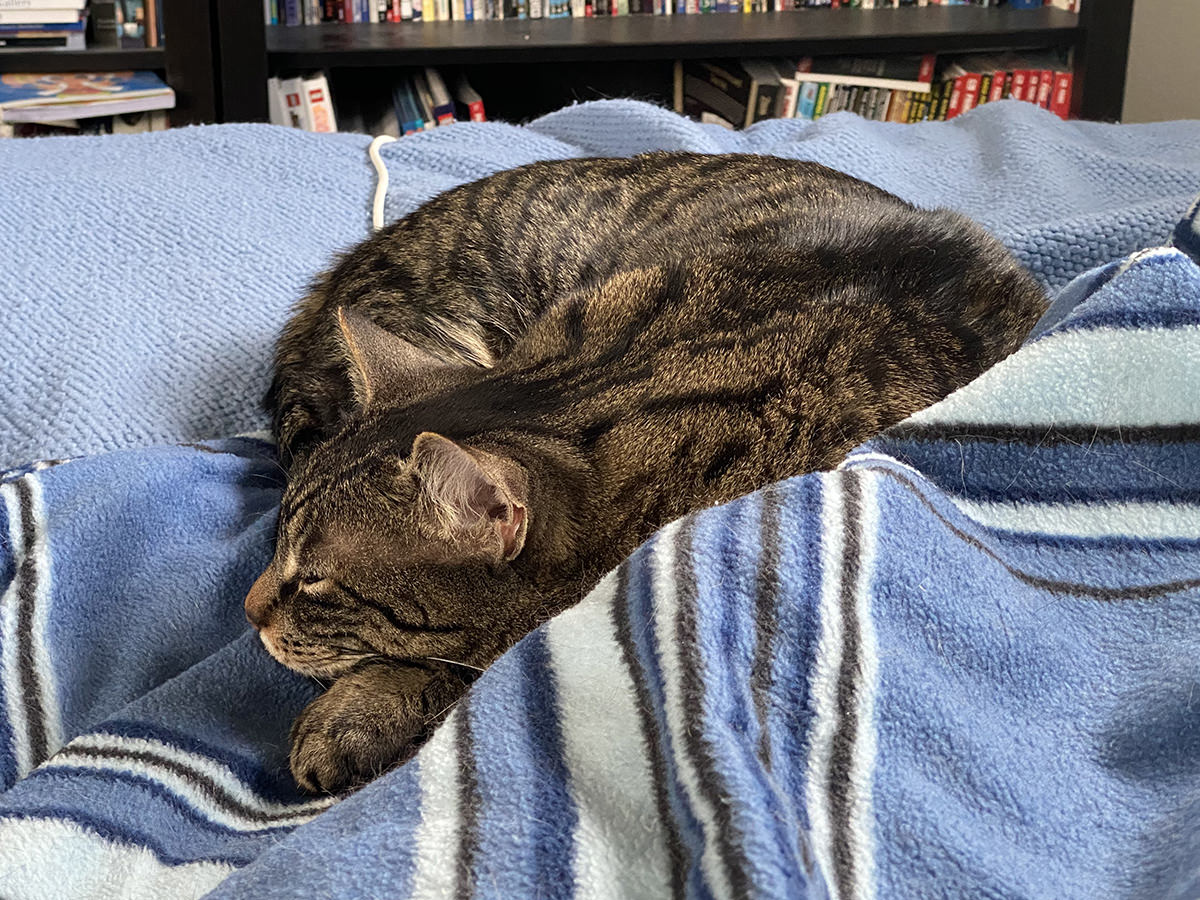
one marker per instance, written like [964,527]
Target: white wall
[1163,78]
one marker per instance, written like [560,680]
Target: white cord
[381,184]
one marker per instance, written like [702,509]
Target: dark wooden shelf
[93,60]
[815,31]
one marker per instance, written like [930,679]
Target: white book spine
[319,104]
[76,5]
[38,16]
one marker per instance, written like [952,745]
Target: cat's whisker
[452,662]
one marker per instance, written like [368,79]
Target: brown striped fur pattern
[489,404]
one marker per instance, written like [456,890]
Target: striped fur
[455,508]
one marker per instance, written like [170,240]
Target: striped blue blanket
[963,664]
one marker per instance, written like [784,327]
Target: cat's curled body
[606,346]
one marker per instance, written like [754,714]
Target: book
[318,106]
[1060,98]
[807,103]
[79,95]
[106,31]
[42,27]
[293,98]
[903,73]
[443,103]
[765,91]
[420,90]
[77,5]
[789,93]
[43,40]
[276,103]
[39,16]
[468,103]
[406,109]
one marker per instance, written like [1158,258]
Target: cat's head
[389,550]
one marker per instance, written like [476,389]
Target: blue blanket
[961,665]
[142,277]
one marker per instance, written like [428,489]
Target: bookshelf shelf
[92,60]
[817,31]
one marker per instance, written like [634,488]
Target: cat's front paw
[372,719]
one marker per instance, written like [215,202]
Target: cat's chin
[325,669]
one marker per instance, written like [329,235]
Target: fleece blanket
[961,665]
[142,277]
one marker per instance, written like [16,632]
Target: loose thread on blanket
[381,183]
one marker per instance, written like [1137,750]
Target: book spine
[985,88]
[1031,86]
[1020,79]
[105,29]
[291,13]
[821,101]
[954,107]
[1060,99]
[943,103]
[996,92]
[1045,88]
[320,106]
[970,97]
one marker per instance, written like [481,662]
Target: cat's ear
[381,363]
[474,494]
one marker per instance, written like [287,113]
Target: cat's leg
[373,718]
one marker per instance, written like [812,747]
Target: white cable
[382,183]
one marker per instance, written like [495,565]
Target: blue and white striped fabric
[963,664]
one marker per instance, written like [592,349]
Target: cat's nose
[261,598]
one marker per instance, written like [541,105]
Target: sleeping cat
[489,404]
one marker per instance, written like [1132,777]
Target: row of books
[417,102]
[313,12]
[76,24]
[886,89]
[73,102]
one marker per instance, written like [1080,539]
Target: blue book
[807,104]
[407,111]
[67,26]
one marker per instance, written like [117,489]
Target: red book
[970,98]
[1045,88]
[1020,80]
[1031,86]
[956,97]
[925,73]
[1060,97]
[997,89]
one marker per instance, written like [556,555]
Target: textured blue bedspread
[964,664]
[142,278]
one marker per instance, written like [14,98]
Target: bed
[962,664]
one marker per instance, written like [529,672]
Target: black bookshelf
[186,62]
[816,31]
[93,60]
[219,53]
[553,59]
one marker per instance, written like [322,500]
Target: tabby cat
[487,405]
